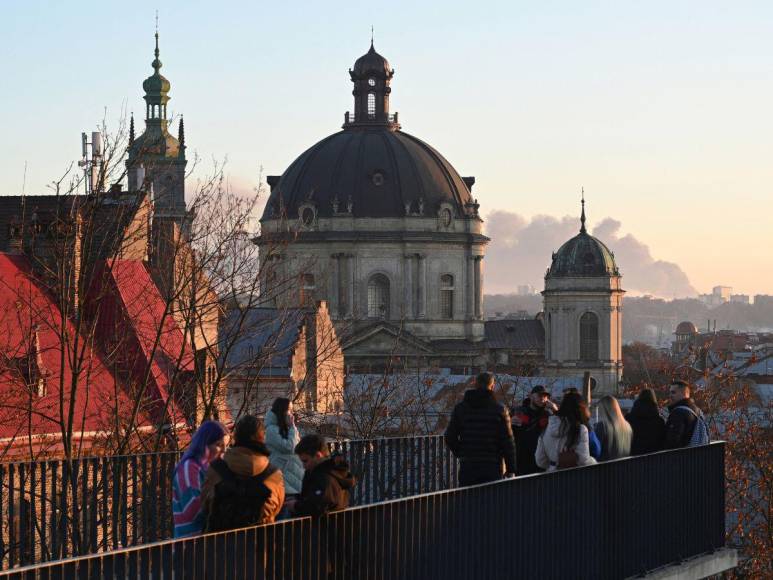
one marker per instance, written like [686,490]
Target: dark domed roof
[686,327]
[371,62]
[379,170]
[156,83]
[155,142]
[583,256]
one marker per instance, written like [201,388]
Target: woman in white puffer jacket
[281,438]
[566,431]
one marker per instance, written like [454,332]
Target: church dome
[380,172]
[686,327]
[371,62]
[371,168]
[583,256]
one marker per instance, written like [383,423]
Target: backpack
[700,433]
[238,501]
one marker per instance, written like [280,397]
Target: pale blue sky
[662,110]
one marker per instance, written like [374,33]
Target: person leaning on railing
[327,482]
[207,445]
[613,431]
[479,434]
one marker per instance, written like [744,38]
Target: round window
[372,82]
[378,178]
[445,217]
[307,216]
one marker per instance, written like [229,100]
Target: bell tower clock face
[372,82]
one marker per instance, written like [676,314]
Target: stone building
[291,353]
[583,300]
[383,228]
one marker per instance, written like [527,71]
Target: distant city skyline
[661,111]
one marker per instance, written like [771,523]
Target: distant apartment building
[525,290]
[763,300]
[719,295]
[740,298]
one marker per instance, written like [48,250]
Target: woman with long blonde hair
[613,430]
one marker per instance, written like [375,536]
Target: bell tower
[371,76]
[156,158]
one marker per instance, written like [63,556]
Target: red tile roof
[31,327]
[132,310]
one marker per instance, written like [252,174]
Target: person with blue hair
[207,445]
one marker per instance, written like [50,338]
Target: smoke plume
[520,252]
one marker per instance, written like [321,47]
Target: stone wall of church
[566,300]
[411,255]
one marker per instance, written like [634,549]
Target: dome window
[308,215]
[378,179]
[446,217]
[372,82]
[371,105]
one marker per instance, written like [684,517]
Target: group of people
[540,435]
[268,472]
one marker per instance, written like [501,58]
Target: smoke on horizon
[520,252]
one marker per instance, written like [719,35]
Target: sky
[660,110]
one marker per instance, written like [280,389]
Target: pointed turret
[181,137]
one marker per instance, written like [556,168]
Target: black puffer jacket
[680,424]
[533,423]
[649,428]
[480,435]
[325,487]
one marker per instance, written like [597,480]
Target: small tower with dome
[582,304]
[156,157]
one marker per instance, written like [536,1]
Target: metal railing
[51,509]
[613,520]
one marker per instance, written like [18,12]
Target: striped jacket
[189,518]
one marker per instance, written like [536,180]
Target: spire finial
[371,36]
[156,62]
[582,215]
[131,129]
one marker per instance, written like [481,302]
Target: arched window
[372,105]
[447,296]
[589,337]
[378,296]
[308,290]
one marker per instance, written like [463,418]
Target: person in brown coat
[243,488]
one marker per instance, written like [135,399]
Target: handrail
[615,519]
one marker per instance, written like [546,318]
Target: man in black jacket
[529,422]
[681,422]
[327,480]
[480,435]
